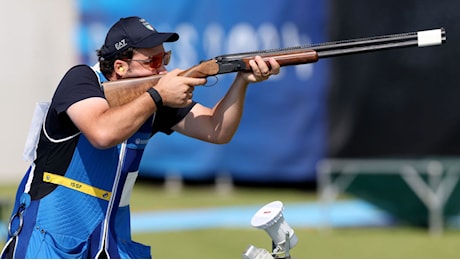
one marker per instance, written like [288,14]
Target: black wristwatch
[156,97]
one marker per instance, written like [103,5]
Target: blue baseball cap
[133,32]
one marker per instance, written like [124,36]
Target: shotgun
[122,91]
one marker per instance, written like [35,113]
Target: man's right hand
[177,91]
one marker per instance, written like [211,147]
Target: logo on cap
[146,24]
[120,44]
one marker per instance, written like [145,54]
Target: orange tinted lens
[156,61]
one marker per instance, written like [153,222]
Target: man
[74,199]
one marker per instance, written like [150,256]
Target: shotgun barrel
[338,48]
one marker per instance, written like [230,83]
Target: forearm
[104,126]
[228,112]
[122,122]
[217,124]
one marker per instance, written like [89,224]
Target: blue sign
[282,132]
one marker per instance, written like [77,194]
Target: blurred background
[396,104]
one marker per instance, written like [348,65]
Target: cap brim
[156,39]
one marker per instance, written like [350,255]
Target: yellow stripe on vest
[76,185]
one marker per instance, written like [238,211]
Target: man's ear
[120,68]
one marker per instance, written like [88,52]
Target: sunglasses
[156,61]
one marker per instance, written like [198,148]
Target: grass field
[394,242]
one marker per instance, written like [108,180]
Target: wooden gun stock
[122,91]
